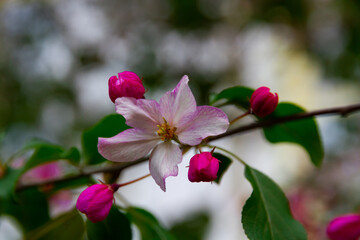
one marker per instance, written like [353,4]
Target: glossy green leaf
[115,226]
[68,226]
[303,132]
[30,208]
[107,127]
[239,96]
[148,225]
[224,164]
[266,214]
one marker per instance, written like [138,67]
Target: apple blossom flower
[263,102]
[96,201]
[345,227]
[43,172]
[156,125]
[203,168]
[127,84]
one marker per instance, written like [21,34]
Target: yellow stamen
[165,131]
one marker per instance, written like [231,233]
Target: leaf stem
[228,152]
[239,117]
[133,181]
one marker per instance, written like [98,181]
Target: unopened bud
[96,201]
[263,102]
[346,227]
[203,168]
[126,84]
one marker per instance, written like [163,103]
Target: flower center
[165,131]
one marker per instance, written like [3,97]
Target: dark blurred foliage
[194,227]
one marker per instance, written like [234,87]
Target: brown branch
[342,111]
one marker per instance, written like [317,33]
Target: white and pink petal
[139,113]
[206,121]
[178,103]
[128,145]
[163,162]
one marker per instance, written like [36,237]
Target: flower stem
[133,181]
[228,152]
[240,117]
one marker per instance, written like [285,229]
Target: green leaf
[148,225]
[223,165]
[115,226]
[46,151]
[30,209]
[303,132]
[266,214]
[239,96]
[193,227]
[8,182]
[67,226]
[107,127]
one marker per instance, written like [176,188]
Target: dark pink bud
[96,201]
[263,102]
[203,168]
[127,84]
[345,227]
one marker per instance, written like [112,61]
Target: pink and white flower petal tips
[345,227]
[203,168]
[263,102]
[126,84]
[96,201]
[157,126]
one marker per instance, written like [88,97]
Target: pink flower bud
[203,168]
[263,102]
[96,201]
[127,84]
[345,227]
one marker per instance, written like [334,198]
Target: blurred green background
[57,56]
